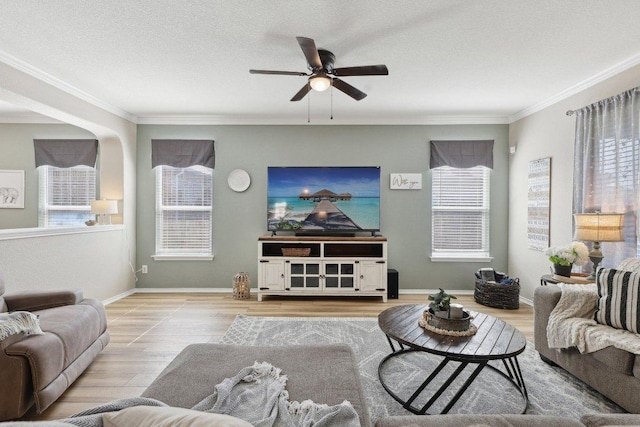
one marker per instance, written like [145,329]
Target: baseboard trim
[118,297]
[183,290]
[230,290]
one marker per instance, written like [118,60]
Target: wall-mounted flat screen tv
[311,200]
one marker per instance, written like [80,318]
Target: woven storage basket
[296,251]
[496,295]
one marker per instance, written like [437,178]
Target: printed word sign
[406,181]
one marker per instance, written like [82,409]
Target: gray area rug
[551,390]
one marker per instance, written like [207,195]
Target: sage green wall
[16,153]
[239,218]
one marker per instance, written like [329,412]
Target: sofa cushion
[619,299]
[158,416]
[68,332]
[616,359]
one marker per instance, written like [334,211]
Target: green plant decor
[440,301]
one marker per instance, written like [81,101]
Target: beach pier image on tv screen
[323,199]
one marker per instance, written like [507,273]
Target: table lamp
[598,227]
[104,209]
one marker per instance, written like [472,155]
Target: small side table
[552,279]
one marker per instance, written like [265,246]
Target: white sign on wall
[405,181]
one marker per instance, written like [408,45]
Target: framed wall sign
[11,189]
[405,181]
[539,204]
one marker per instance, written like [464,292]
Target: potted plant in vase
[564,257]
[440,315]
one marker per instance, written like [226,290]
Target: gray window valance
[66,153]
[182,153]
[461,154]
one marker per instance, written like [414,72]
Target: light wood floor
[149,330]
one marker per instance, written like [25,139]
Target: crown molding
[37,73]
[27,118]
[577,88]
[301,120]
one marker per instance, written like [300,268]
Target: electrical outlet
[145,269]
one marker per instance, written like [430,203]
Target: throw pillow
[618,301]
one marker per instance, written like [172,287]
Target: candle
[455,311]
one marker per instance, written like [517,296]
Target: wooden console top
[322,238]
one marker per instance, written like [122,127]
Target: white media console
[336,266]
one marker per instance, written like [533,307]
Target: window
[183,211]
[65,195]
[460,212]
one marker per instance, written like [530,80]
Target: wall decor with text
[539,204]
[405,181]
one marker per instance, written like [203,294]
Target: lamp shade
[599,227]
[104,207]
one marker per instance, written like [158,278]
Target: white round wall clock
[239,180]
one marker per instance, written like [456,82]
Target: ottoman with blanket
[326,374]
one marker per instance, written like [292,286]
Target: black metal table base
[512,374]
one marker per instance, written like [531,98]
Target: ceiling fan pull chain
[331,102]
[308,108]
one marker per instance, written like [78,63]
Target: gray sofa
[39,368]
[613,372]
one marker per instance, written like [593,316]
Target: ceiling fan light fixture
[320,82]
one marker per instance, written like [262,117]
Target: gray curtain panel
[606,173]
[461,154]
[182,153]
[65,153]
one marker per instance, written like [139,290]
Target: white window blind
[65,195]
[460,212]
[183,210]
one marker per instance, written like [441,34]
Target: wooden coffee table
[495,340]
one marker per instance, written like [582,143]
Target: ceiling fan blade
[310,51]
[356,94]
[302,92]
[366,70]
[283,73]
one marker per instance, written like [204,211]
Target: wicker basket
[496,295]
[296,251]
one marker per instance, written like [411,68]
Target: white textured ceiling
[168,60]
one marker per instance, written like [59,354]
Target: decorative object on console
[241,286]
[104,209]
[565,256]
[598,227]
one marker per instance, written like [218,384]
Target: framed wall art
[11,189]
[539,204]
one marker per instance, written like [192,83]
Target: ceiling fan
[322,73]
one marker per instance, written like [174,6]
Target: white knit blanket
[571,323]
[17,322]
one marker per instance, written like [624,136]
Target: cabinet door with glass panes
[304,275]
[339,275]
